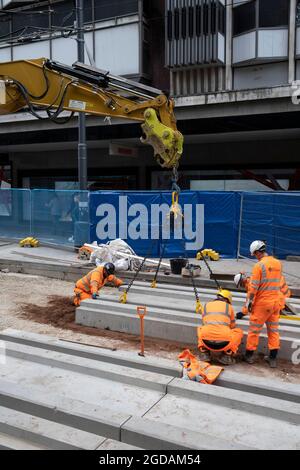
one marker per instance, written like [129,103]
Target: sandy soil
[42,305]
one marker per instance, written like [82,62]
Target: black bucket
[177,264]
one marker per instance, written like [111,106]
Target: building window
[298,14]
[273,13]
[244,18]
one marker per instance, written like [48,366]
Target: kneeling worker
[219,332]
[88,286]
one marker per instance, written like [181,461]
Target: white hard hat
[257,245]
[238,278]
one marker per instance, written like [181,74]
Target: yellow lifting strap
[199,307]
[123,298]
[175,208]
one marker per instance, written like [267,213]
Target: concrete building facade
[232,67]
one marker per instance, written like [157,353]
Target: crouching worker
[88,286]
[218,332]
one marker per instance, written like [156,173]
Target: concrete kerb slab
[8,442]
[116,373]
[110,444]
[70,412]
[163,308]
[259,386]
[125,358]
[128,323]
[154,435]
[47,433]
[179,331]
[237,399]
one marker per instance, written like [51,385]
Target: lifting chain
[154,284]
[199,306]
[123,297]
[210,271]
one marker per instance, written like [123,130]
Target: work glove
[249,305]
[95,296]
[239,316]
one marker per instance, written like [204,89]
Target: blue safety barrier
[224,221]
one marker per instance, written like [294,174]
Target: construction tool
[211,254]
[29,242]
[141,311]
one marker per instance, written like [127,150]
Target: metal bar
[82,147]
[240,228]
[103,73]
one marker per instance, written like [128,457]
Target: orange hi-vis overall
[264,291]
[285,292]
[218,322]
[91,283]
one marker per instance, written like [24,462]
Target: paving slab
[40,402]
[240,428]
[8,442]
[74,385]
[122,319]
[110,444]
[156,435]
[89,367]
[47,433]
[260,386]
[122,358]
[237,399]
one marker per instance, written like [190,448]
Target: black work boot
[226,359]
[272,358]
[204,355]
[249,357]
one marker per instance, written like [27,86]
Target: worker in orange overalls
[241,280]
[264,301]
[88,286]
[218,332]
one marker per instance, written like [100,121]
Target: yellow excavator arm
[43,85]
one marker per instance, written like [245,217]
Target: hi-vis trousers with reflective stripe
[264,313]
[80,295]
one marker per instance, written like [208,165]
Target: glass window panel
[113,8]
[244,18]
[273,13]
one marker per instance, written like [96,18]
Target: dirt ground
[44,306]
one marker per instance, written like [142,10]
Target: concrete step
[186,295]
[42,432]
[79,414]
[122,358]
[164,309]
[87,367]
[121,318]
[8,442]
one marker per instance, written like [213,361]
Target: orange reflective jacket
[285,292]
[198,371]
[265,281]
[218,313]
[95,279]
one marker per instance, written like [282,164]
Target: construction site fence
[224,221]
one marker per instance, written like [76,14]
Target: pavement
[57,395]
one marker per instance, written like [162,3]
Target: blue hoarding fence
[225,221]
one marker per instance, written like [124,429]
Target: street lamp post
[82,147]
